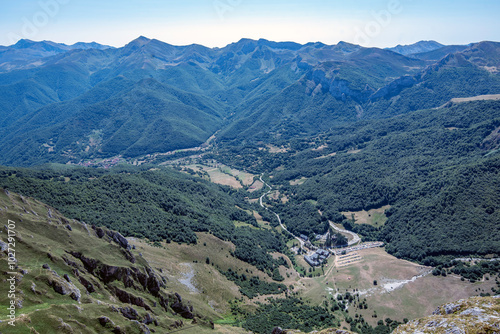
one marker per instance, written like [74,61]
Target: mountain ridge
[243,83]
[418,47]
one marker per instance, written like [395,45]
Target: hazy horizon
[216,23]
[236,41]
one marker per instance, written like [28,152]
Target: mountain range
[71,103]
[398,146]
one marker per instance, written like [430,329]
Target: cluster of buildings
[317,258]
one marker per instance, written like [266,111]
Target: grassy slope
[46,311]
[42,230]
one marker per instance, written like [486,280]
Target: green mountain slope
[152,97]
[181,95]
[74,278]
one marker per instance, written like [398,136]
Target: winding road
[355,238]
[277,216]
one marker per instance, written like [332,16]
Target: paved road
[277,216]
[355,238]
[365,245]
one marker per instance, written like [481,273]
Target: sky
[216,23]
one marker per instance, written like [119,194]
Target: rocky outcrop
[183,310]
[148,319]
[119,239]
[319,81]
[88,285]
[106,322]
[63,287]
[128,298]
[394,88]
[467,316]
[113,235]
[129,313]
[130,276]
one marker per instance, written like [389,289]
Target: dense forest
[155,203]
[289,313]
[437,169]
[253,286]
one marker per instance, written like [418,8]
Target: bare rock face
[87,284]
[468,316]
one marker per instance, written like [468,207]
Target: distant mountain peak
[23,43]
[141,40]
[418,47]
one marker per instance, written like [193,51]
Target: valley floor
[403,289]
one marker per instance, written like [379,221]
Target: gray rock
[120,239]
[455,330]
[142,327]
[65,288]
[475,311]
[451,308]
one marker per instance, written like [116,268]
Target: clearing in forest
[374,217]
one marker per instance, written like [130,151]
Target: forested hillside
[77,104]
[437,169]
[158,204]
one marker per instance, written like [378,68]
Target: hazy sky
[213,23]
